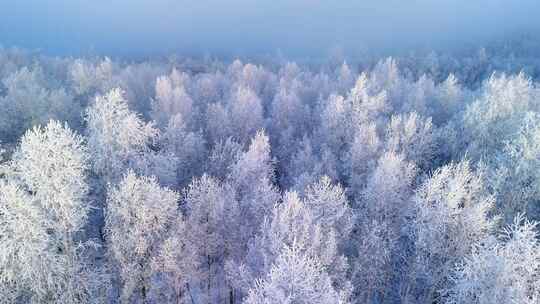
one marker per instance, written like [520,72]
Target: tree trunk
[190,295]
[143,294]
[231,296]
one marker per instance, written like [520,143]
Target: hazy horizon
[300,29]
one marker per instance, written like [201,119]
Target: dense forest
[407,179]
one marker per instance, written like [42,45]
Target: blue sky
[240,27]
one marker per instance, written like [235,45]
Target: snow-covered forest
[407,179]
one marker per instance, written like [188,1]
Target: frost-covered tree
[44,212]
[494,117]
[117,137]
[252,177]
[513,173]
[290,222]
[303,224]
[449,100]
[138,81]
[367,102]
[138,215]
[211,230]
[218,123]
[371,267]
[345,77]
[26,264]
[295,278]
[222,157]
[305,167]
[172,99]
[175,265]
[87,77]
[452,218]
[289,120]
[412,136]
[255,78]
[31,100]
[209,87]
[329,207]
[499,130]
[187,149]
[362,156]
[419,95]
[386,76]
[386,198]
[384,212]
[246,114]
[504,271]
[51,162]
[309,164]
[334,129]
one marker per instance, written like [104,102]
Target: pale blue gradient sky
[240,27]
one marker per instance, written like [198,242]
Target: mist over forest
[298,29]
[296,152]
